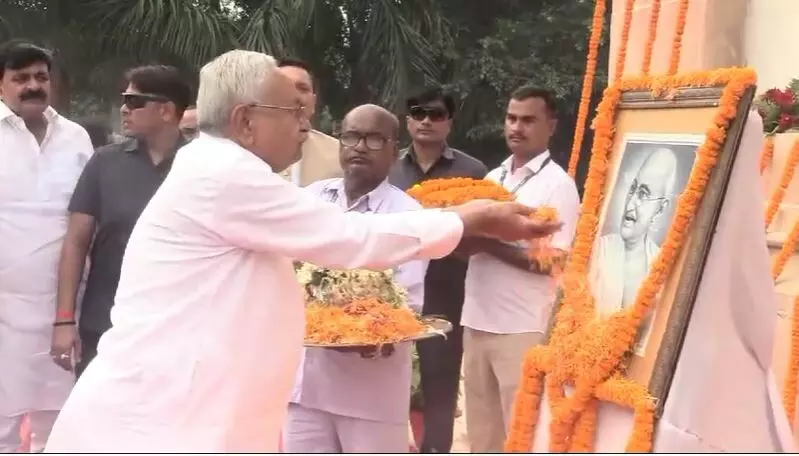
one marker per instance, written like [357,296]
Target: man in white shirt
[509,296]
[207,326]
[357,402]
[41,157]
[320,151]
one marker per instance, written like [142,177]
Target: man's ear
[240,122]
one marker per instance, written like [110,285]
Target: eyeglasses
[373,141]
[299,111]
[641,192]
[419,113]
[139,100]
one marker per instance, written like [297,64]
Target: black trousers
[88,342]
[440,358]
[440,364]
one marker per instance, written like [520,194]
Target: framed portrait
[653,155]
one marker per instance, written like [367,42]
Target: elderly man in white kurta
[623,258]
[41,156]
[208,317]
[359,402]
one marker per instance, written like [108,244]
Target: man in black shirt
[429,122]
[116,185]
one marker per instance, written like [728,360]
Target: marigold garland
[585,352]
[676,44]
[440,193]
[786,252]
[651,37]
[624,38]
[597,24]
[785,180]
[790,390]
[767,155]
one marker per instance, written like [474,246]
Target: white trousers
[41,423]
[314,431]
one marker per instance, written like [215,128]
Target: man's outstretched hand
[506,221]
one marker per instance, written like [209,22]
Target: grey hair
[235,77]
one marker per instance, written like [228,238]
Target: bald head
[374,114]
[650,193]
[659,170]
[368,147]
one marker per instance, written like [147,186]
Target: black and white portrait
[654,170]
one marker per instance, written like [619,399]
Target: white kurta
[36,182]
[208,318]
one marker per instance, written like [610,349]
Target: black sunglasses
[419,113]
[139,100]
[373,141]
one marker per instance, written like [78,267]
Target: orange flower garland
[767,154]
[588,353]
[588,84]
[782,186]
[790,390]
[438,193]
[621,56]
[676,44]
[786,252]
[650,39]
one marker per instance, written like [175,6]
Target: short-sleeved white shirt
[504,299]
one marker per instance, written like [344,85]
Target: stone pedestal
[713,36]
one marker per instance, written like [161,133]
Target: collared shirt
[519,301]
[444,279]
[36,181]
[114,188]
[344,383]
[208,321]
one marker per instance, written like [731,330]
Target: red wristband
[64,315]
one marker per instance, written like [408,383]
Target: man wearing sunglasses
[319,151]
[429,121]
[359,402]
[114,188]
[41,156]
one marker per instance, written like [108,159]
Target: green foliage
[416,382]
[779,108]
[360,50]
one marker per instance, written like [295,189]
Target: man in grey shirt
[429,119]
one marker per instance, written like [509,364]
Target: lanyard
[526,179]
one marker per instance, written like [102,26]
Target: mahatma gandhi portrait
[653,172]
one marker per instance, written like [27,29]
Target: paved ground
[460,441]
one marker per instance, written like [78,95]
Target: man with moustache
[429,121]
[114,188]
[208,320]
[509,295]
[623,257]
[347,402]
[41,157]
[319,151]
